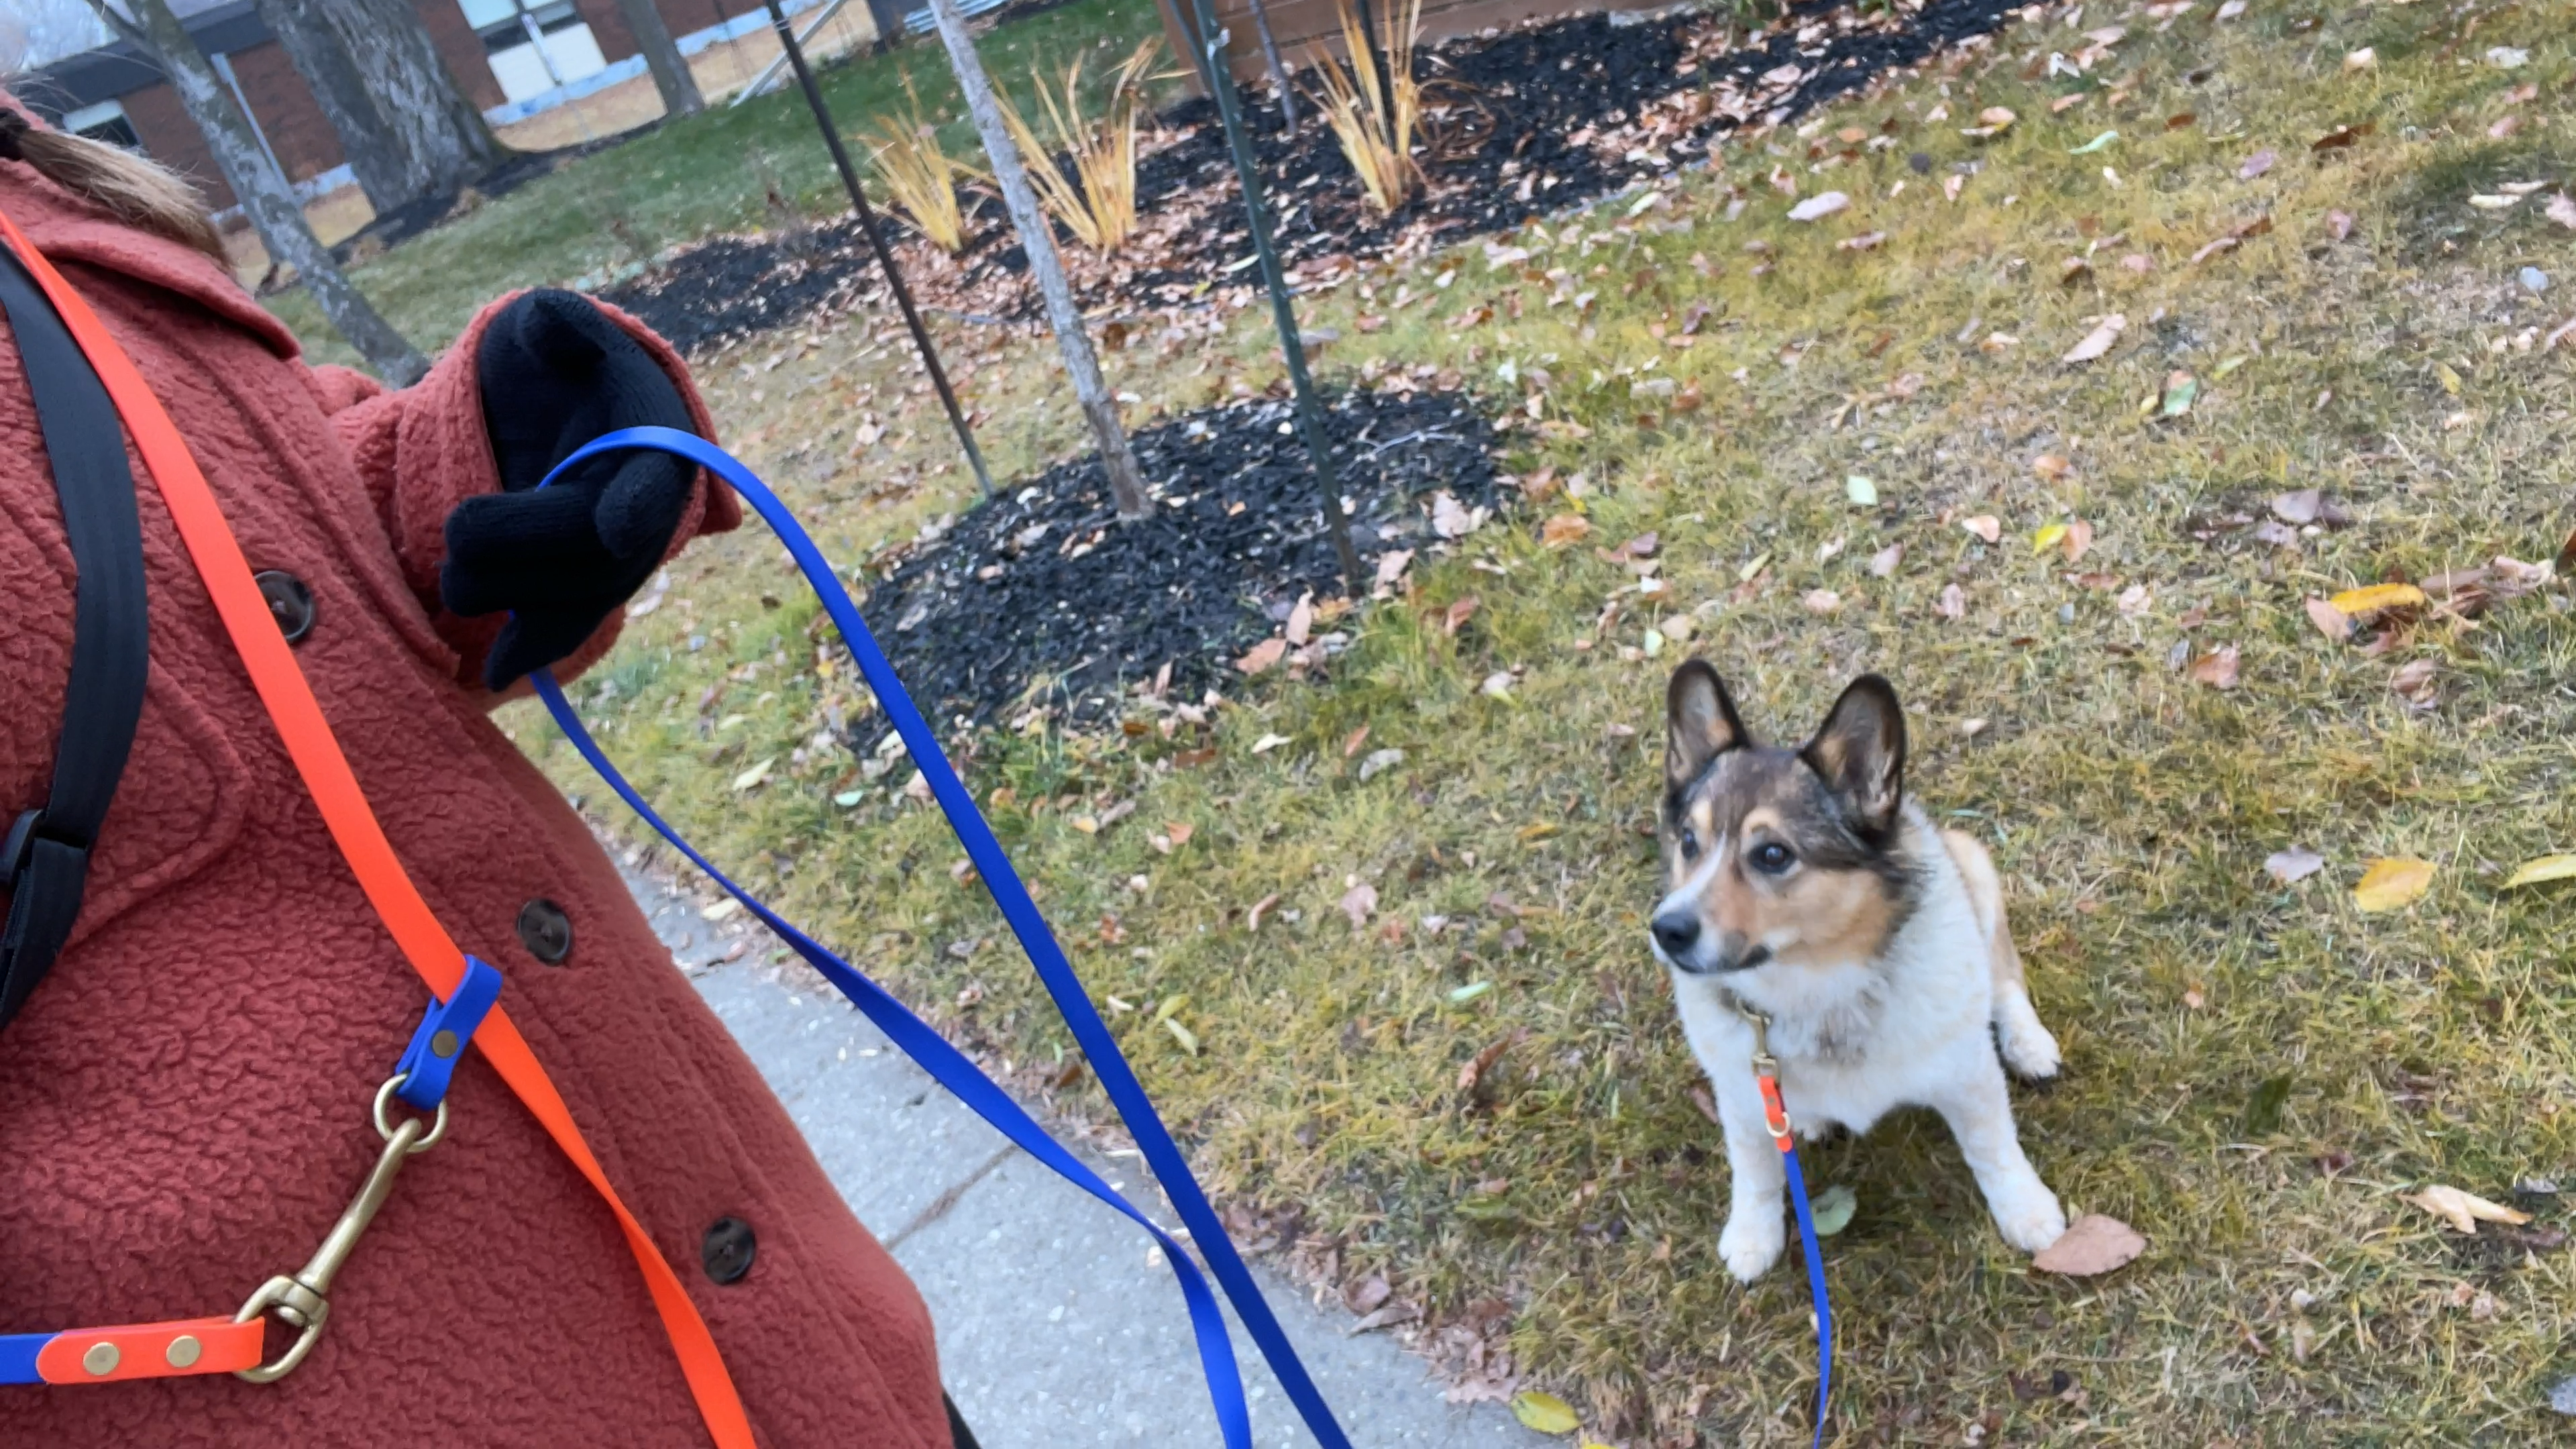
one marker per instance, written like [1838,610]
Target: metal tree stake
[1310,413]
[876,243]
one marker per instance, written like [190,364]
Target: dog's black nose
[1676,932]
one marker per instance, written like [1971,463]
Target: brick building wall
[297,131]
[301,134]
[1302,27]
[462,50]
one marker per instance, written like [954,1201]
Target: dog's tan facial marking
[1776,855]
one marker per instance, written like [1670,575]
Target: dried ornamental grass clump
[918,174]
[1375,128]
[1097,203]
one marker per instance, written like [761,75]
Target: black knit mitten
[554,374]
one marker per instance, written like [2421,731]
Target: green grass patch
[2255,1072]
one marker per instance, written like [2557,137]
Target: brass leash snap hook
[303,1299]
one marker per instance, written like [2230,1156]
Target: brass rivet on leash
[183,1351]
[442,1044]
[101,1359]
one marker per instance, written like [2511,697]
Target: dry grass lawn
[2256,1071]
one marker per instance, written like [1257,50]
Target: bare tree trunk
[375,154]
[670,68]
[887,15]
[442,135]
[1037,237]
[263,189]
[1278,68]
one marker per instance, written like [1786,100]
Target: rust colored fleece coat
[183,1102]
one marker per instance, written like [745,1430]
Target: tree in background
[670,68]
[375,153]
[440,135]
[265,194]
[1037,237]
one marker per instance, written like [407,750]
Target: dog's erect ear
[1699,721]
[1860,752]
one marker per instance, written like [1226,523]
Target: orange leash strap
[316,753]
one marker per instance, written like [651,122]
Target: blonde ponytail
[134,189]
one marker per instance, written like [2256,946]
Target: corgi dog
[1802,886]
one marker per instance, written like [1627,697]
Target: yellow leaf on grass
[2047,538]
[754,776]
[2391,883]
[1546,1413]
[2372,598]
[2462,1210]
[2546,868]
[1188,1039]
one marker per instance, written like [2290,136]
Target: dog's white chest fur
[1917,1025]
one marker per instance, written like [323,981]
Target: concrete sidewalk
[1058,1322]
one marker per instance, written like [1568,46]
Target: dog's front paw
[1751,1242]
[2031,1052]
[2026,1046]
[2030,1218]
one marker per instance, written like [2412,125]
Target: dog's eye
[1773,858]
[1690,842]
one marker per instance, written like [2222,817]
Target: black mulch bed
[1044,587]
[1560,108]
[1521,104]
[735,285]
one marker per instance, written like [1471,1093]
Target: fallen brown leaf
[2099,341]
[2217,668]
[1564,529]
[1263,656]
[1483,1062]
[2293,865]
[2413,681]
[1367,1294]
[2078,540]
[2299,506]
[1358,902]
[2093,1244]
[1953,603]
[2332,622]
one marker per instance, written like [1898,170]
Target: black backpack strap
[45,861]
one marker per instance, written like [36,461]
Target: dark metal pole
[876,243]
[1310,413]
[1377,65]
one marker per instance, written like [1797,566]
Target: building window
[105,121]
[533,46]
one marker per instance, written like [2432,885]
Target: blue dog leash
[1775,1116]
[933,1052]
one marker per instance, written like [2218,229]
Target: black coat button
[728,1250]
[545,930]
[290,600]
